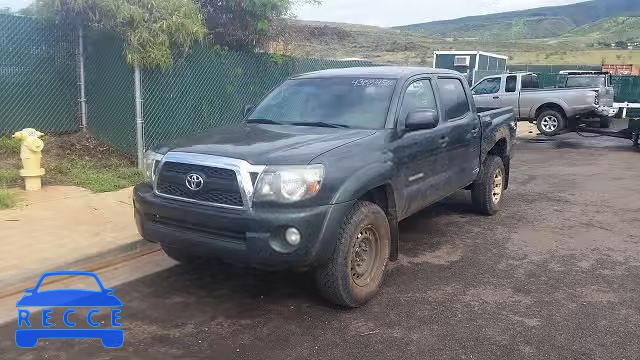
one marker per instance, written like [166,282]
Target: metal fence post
[83,100]
[139,117]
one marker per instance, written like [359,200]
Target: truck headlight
[287,184]
[151,161]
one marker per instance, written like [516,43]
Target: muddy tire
[353,274]
[487,192]
[605,122]
[550,122]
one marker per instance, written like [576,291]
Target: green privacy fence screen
[210,88]
[548,69]
[627,88]
[109,92]
[206,89]
[37,76]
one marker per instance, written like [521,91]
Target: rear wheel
[550,122]
[605,122]
[353,274]
[488,190]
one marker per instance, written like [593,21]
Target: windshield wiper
[263,121]
[320,124]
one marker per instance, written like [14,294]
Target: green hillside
[389,46]
[611,29]
[529,24]
[530,28]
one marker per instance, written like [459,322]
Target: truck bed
[494,113]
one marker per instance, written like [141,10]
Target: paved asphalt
[555,275]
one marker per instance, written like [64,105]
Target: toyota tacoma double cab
[319,174]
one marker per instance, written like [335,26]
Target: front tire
[550,122]
[487,192]
[353,274]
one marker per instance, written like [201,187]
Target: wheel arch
[501,149]
[384,197]
[374,183]
[555,106]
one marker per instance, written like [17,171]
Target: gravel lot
[555,275]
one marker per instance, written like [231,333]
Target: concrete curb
[91,263]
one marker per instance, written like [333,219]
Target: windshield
[344,102]
[586,81]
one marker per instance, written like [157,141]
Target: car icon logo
[194,182]
[27,335]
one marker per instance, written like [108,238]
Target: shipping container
[474,64]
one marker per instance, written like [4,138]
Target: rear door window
[454,98]
[511,84]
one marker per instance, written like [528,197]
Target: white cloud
[14,4]
[402,12]
[391,12]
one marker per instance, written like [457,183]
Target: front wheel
[353,274]
[550,122]
[488,190]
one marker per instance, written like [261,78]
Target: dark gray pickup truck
[322,170]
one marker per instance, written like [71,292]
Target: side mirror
[421,120]
[248,109]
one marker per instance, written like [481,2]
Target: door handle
[444,141]
[475,132]
[496,97]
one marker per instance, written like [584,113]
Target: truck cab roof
[386,72]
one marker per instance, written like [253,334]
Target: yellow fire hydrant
[31,155]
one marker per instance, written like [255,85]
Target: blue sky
[391,12]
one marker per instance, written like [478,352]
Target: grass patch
[7,199]
[75,159]
[9,177]
[103,177]
[9,145]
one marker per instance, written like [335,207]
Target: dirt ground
[555,275]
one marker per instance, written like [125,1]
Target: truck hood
[261,144]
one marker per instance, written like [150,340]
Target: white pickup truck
[552,109]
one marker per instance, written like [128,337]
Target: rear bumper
[240,236]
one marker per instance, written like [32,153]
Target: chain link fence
[210,88]
[549,69]
[206,89]
[38,82]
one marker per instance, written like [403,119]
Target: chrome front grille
[226,182]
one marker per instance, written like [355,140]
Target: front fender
[363,180]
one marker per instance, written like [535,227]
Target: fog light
[293,237]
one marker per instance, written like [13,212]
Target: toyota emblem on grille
[194,182]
